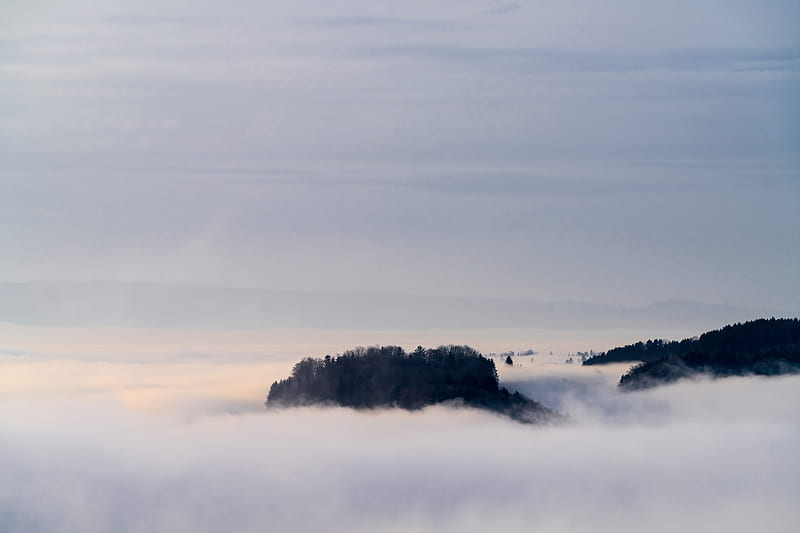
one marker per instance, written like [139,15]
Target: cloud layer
[691,457]
[614,153]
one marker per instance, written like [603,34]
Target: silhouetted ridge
[641,351]
[761,347]
[365,378]
[753,335]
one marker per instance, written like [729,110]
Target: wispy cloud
[388,22]
[544,61]
[140,138]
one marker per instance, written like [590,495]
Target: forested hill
[749,336]
[762,347]
[375,377]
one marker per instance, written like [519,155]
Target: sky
[195,194]
[620,153]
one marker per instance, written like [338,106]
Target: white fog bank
[697,456]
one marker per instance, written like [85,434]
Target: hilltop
[751,335]
[759,347]
[388,377]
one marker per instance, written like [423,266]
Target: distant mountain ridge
[100,303]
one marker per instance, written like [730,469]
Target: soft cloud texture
[623,152]
[620,153]
[696,456]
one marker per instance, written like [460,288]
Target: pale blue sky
[623,153]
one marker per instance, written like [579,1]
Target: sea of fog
[179,442]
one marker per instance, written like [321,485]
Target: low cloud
[695,456]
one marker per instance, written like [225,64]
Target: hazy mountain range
[98,303]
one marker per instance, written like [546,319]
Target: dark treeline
[641,351]
[366,378]
[749,336]
[761,347]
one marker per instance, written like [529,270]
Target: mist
[194,196]
[698,455]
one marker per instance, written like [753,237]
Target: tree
[509,361]
[385,376]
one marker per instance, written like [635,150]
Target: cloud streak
[546,61]
[557,152]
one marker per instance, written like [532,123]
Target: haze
[195,194]
[626,153]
